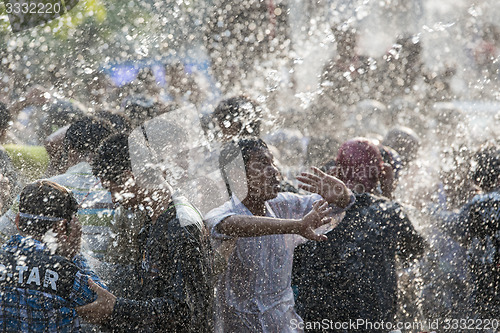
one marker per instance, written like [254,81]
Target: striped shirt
[25,309]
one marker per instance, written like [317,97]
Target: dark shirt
[352,275]
[176,281]
[480,221]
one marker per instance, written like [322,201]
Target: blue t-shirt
[39,290]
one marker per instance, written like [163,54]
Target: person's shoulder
[482,199]
[384,205]
[177,217]
[168,216]
[283,196]
[75,173]
[226,207]
[368,199]
[290,199]
[3,152]
[5,158]
[490,196]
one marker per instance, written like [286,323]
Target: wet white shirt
[254,293]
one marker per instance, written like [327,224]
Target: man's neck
[255,206]
[76,158]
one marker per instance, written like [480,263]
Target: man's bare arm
[254,226]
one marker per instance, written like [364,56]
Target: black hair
[112,158]
[231,151]
[119,122]
[487,171]
[139,109]
[240,109]
[5,117]
[44,198]
[86,134]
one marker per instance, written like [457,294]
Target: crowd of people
[145,220]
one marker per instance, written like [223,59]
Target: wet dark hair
[44,198]
[231,151]
[5,118]
[139,109]
[240,109]
[487,170]
[86,134]
[112,158]
[119,122]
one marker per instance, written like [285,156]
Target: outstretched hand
[329,187]
[99,311]
[317,217]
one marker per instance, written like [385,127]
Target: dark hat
[42,203]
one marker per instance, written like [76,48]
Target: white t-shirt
[254,293]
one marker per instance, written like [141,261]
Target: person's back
[37,296]
[353,273]
[176,249]
[478,228]
[43,275]
[483,251]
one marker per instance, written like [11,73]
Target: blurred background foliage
[95,33]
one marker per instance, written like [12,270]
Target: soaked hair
[404,141]
[120,123]
[231,151]
[44,198]
[240,109]
[112,158]
[86,134]
[140,109]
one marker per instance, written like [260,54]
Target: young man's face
[262,175]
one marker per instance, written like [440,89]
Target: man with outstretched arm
[257,231]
